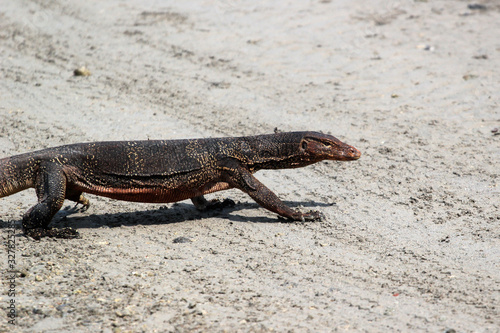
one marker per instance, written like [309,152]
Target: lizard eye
[328,144]
[304,145]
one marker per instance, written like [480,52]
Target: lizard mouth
[354,153]
[350,154]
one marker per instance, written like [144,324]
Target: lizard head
[326,147]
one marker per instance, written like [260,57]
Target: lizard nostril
[354,152]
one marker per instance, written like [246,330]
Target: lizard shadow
[176,213]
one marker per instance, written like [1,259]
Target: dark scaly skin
[161,171]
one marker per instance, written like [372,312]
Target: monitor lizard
[161,171]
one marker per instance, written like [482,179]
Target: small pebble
[82,71]
[426,47]
[477,6]
[468,77]
[181,240]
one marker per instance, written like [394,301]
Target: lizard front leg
[241,178]
[50,189]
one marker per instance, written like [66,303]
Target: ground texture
[411,238]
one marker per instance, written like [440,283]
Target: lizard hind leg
[50,188]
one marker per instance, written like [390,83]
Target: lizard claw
[215,204]
[309,216]
[76,209]
[225,203]
[85,207]
[313,216]
[203,204]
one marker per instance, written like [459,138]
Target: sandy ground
[411,239]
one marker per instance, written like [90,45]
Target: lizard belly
[154,188]
[156,194]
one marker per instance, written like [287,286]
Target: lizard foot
[65,233]
[76,208]
[311,215]
[85,206]
[204,205]
[217,204]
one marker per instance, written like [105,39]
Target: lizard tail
[16,174]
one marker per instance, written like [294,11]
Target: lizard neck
[275,151]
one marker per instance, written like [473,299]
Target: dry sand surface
[411,238]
